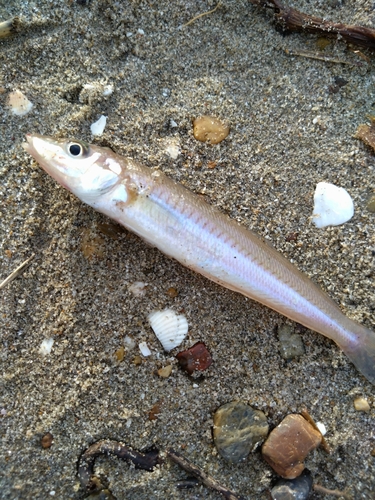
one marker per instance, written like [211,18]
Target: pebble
[371,204]
[294,489]
[195,358]
[332,205]
[238,428]
[361,404]
[289,444]
[172,292]
[120,354]
[210,129]
[291,345]
[46,440]
[165,371]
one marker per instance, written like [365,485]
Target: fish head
[81,168]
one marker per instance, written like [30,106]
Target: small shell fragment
[145,350]
[332,205]
[46,346]
[169,327]
[19,103]
[138,288]
[97,128]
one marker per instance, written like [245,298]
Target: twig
[17,271]
[145,461]
[337,493]
[319,57]
[201,15]
[290,19]
[207,480]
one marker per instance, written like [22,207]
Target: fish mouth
[27,146]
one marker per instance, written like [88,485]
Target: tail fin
[361,351]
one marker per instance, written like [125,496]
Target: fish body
[199,236]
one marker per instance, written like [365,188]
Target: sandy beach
[291,126]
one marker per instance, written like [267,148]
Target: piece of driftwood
[292,20]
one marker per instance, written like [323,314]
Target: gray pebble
[238,428]
[293,489]
[291,345]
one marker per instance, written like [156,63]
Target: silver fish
[183,226]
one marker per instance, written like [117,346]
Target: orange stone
[288,445]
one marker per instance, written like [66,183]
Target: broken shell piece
[19,103]
[145,350]
[169,327]
[332,205]
[97,128]
[138,288]
[46,346]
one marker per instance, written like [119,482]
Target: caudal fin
[362,351]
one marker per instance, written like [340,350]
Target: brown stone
[195,358]
[210,129]
[46,440]
[288,445]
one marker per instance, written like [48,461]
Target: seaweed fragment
[146,461]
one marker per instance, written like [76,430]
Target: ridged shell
[169,327]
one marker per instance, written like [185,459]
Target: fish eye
[75,149]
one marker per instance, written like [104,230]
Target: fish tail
[361,350]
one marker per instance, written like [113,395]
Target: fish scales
[183,226]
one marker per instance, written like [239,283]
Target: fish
[183,226]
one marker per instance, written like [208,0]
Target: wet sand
[289,131]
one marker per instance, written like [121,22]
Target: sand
[289,131]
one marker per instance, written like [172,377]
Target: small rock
[291,345]
[172,292]
[294,489]
[371,204]
[137,360]
[165,371]
[289,444]
[238,428]
[120,354]
[361,404]
[195,358]
[46,440]
[210,129]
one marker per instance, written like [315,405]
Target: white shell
[332,205]
[169,327]
[46,346]
[145,350]
[19,103]
[97,128]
